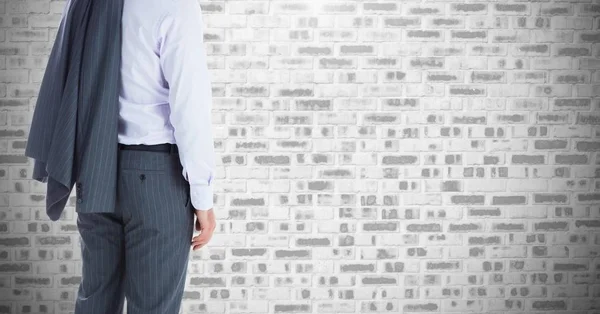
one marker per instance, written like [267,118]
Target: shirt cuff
[201,196]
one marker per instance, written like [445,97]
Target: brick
[388,157]
[512,9]
[424,35]
[468,8]
[17,35]
[29,6]
[384,7]
[424,8]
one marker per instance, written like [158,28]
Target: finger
[203,234]
[207,232]
[203,242]
[206,225]
[199,243]
[202,238]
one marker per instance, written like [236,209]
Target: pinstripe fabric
[73,136]
[141,250]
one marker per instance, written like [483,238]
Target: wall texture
[391,156]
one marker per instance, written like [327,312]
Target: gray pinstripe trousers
[141,250]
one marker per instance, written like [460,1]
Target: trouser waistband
[165,147]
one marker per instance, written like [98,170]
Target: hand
[206,224]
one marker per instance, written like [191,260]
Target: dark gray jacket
[74,131]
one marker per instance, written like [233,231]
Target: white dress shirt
[165,92]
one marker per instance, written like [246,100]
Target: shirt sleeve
[184,65]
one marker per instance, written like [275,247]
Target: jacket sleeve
[184,65]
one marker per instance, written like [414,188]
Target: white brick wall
[391,156]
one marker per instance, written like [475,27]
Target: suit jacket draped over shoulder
[73,136]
